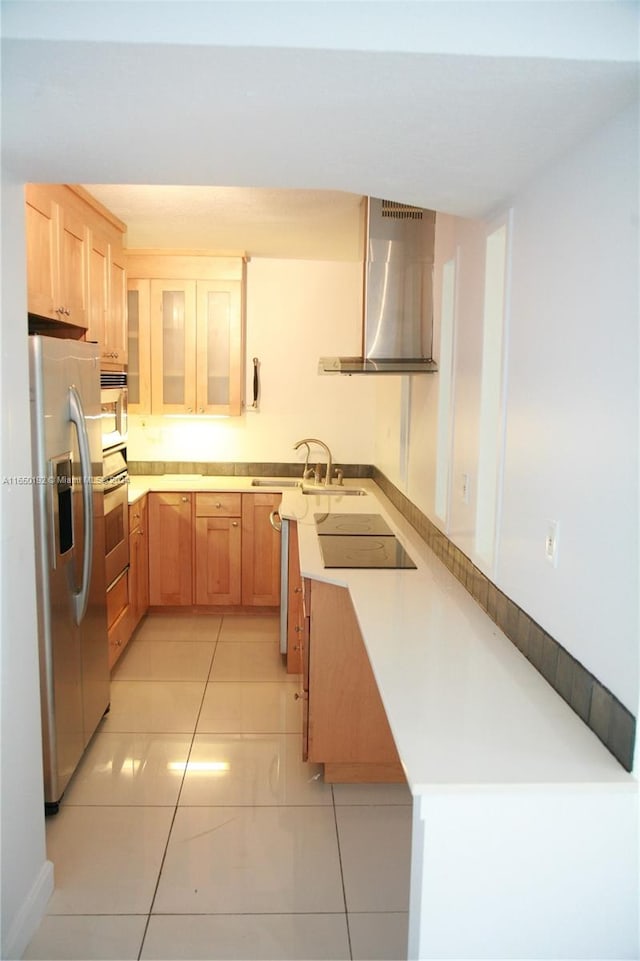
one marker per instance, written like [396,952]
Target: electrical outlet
[551,543]
[464,488]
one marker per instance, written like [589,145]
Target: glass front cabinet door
[185,339]
[173,347]
[218,347]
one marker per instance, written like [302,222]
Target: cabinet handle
[185,500]
[298,629]
[297,590]
[201,411]
[234,523]
[298,696]
[276,524]
[189,410]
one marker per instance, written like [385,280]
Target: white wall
[571,450]
[297,311]
[27,879]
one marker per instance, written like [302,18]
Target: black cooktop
[364,551]
[364,524]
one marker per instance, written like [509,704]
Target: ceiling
[450,106]
[261,222]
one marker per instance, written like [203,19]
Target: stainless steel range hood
[398,293]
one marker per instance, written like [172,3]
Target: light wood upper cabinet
[73,240]
[218,346]
[107,297]
[98,285]
[186,328]
[114,343]
[76,267]
[173,346]
[42,251]
[57,255]
[139,354]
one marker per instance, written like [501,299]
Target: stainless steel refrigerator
[69,532]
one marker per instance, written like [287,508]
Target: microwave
[113,408]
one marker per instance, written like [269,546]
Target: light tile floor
[193,830]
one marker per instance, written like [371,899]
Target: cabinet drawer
[117,599]
[118,635]
[218,505]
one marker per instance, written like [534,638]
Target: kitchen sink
[335,491]
[274,482]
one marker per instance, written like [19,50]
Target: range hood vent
[400,211]
[397,333]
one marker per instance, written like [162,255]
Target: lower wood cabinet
[138,561]
[170,549]
[218,549]
[260,551]
[348,730]
[118,616]
[213,549]
[296,621]
[128,596]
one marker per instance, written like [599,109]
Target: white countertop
[466,708]
[140,484]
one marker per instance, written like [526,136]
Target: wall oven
[113,408]
[116,514]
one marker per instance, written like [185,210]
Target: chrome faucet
[308,471]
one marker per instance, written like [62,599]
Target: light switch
[551,543]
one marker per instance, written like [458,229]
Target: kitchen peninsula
[506,779]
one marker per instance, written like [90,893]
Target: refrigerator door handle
[77,417]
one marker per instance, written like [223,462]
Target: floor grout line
[177,804]
[344,890]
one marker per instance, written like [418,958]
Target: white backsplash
[297,311]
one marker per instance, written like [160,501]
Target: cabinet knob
[297,647]
[218,505]
[298,629]
[118,643]
[234,523]
[298,696]
[297,590]
[189,410]
[185,500]
[201,411]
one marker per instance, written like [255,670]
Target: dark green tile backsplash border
[592,701]
[230,469]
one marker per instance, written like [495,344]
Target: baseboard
[30,914]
